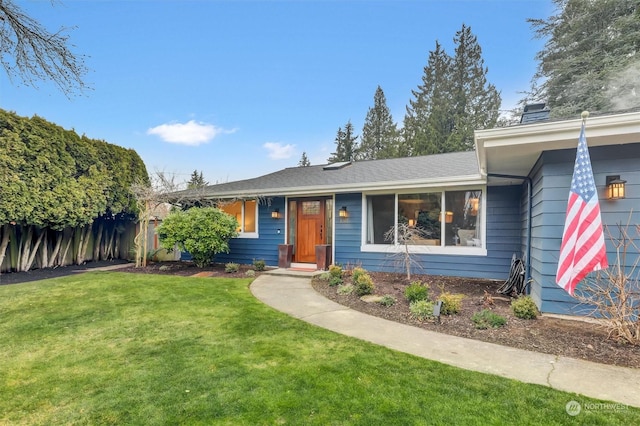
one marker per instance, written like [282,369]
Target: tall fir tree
[475,102]
[379,133]
[427,120]
[590,58]
[346,145]
[304,161]
[196,180]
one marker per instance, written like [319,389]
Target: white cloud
[277,151]
[191,133]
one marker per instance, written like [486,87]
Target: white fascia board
[612,127]
[346,188]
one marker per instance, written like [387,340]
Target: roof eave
[475,179]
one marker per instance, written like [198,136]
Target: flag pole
[582,248]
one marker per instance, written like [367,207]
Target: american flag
[583,249]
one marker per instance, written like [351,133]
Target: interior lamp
[475,205]
[448,217]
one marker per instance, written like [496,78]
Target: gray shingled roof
[457,167]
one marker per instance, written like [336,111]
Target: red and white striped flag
[583,249]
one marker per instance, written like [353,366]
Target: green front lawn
[116,348]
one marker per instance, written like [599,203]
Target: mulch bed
[556,336]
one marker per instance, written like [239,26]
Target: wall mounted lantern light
[615,187]
[343,212]
[275,214]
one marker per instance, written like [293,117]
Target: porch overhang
[515,150]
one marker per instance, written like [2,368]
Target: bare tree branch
[30,53]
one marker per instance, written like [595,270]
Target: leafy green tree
[196,181]
[304,161]
[346,145]
[30,52]
[379,133]
[590,58]
[201,231]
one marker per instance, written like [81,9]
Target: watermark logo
[573,408]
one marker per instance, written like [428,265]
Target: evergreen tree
[590,59]
[427,121]
[475,102]
[346,145]
[196,181]
[379,134]
[453,100]
[304,161]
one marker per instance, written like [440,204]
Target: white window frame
[241,233]
[426,249]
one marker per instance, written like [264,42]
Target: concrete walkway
[291,293]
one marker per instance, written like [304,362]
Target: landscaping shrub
[387,300]
[421,309]
[335,271]
[356,273]
[334,281]
[416,291]
[345,289]
[231,267]
[259,264]
[201,231]
[325,276]
[364,285]
[451,303]
[524,307]
[486,318]
[250,273]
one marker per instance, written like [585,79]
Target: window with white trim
[245,212]
[450,218]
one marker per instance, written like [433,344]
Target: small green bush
[416,291]
[345,289]
[486,318]
[421,309]
[250,273]
[325,276]
[334,281]
[335,271]
[364,285]
[387,300]
[451,303]
[524,307]
[231,267]
[357,272]
[259,264]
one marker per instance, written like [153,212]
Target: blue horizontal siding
[552,179]
[246,250]
[503,240]
[271,233]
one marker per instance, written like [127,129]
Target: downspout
[527,273]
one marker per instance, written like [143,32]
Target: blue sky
[237,89]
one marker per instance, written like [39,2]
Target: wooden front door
[309,229]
